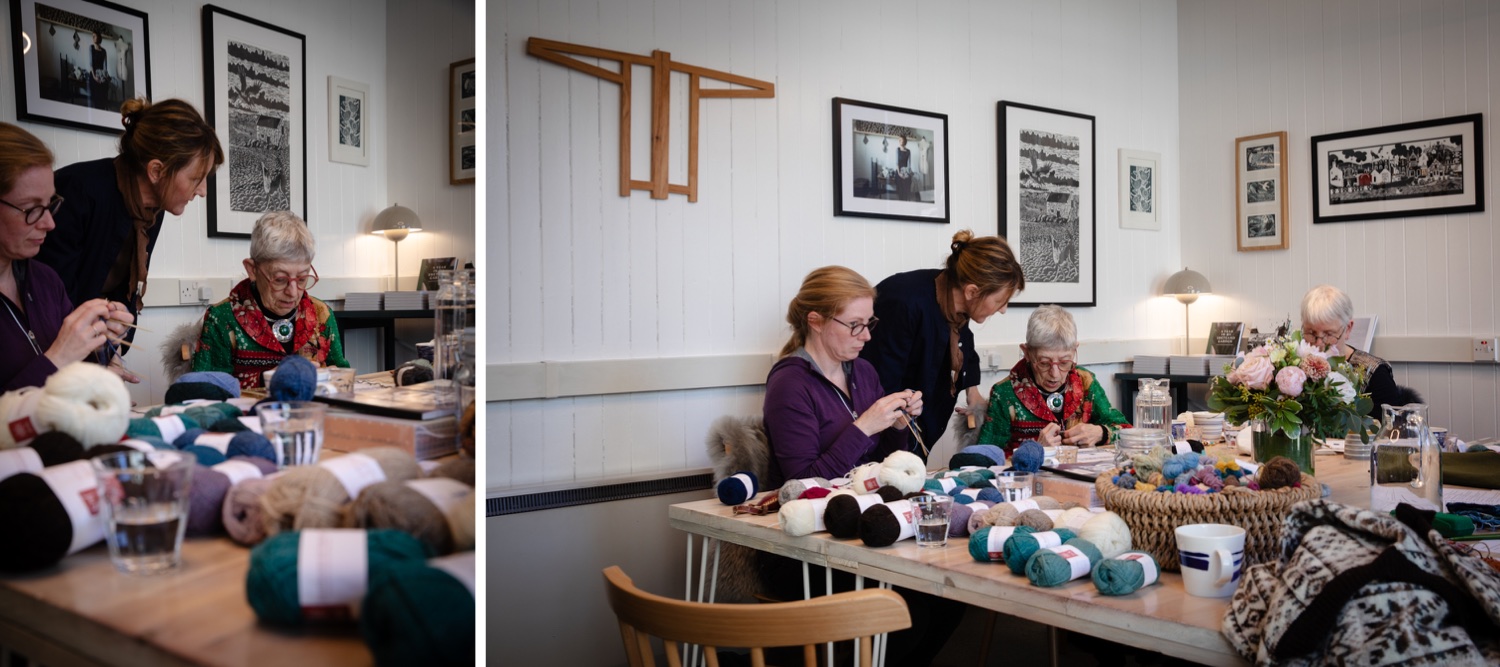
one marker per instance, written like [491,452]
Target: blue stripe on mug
[1193,560]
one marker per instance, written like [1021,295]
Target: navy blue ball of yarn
[250,443]
[296,379]
[188,438]
[228,425]
[1028,457]
[181,392]
[738,488]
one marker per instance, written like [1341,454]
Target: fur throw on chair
[735,444]
[173,360]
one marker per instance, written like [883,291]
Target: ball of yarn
[987,544]
[419,508]
[958,519]
[1109,532]
[36,525]
[271,584]
[1280,472]
[187,391]
[843,511]
[904,470]
[1125,573]
[1477,448]
[206,495]
[1028,457]
[1051,567]
[206,456]
[458,468]
[794,488]
[993,456]
[943,485]
[421,613]
[57,448]
[1035,519]
[220,379]
[312,496]
[864,478]
[413,372]
[738,488]
[461,520]
[243,517]
[167,427]
[885,524]
[228,425]
[963,459]
[81,399]
[295,379]
[802,517]
[975,477]
[816,492]
[1074,518]
[1022,545]
[977,519]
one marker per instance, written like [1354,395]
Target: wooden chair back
[858,615]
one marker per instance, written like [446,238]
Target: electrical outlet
[1484,349]
[190,291]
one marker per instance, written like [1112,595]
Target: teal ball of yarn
[979,542]
[1477,448]
[207,456]
[1047,568]
[418,615]
[1021,546]
[140,426]
[271,582]
[1116,576]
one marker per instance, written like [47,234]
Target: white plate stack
[1146,364]
[363,300]
[405,300]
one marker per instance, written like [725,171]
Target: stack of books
[1217,362]
[406,300]
[1150,365]
[362,300]
[1188,365]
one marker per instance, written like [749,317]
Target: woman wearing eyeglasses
[40,330]
[105,235]
[269,314]
[1047,397]
[1327,321]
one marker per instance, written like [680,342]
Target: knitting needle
[911,423]
[121,341]
[1477,537]
[133,326]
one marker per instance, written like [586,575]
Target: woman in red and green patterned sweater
[270,315]
[1047,398]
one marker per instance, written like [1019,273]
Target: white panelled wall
[1313,68]
[401,49]
[579,273]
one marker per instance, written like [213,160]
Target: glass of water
[144,499]
[932,519]
[1015,485]
[295,429]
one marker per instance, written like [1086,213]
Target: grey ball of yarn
[1036,519]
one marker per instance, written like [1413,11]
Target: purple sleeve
[33,374]
[792,423]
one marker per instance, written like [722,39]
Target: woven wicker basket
[1153,517]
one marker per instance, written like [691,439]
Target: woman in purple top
[825,412]
[40,330]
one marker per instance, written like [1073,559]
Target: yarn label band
[15,461]
[1023,505]
[237,471]
[1148,565]
[179,408]
[138,444]
[820,507]
[252,423]
[1047,539]
[22,430]
[947,484]
[996,543]
[170,427]
[1078,562]
[332,568]
[444,493]
[460,565]
[355,472]
[971,494]
[906,518]
[866,501]
[219,441]
[78,492]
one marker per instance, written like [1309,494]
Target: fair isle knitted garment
[1355,587]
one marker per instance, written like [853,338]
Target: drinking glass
[295,429]
[144,498]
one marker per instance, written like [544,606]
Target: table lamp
[395,223]
[1186,285]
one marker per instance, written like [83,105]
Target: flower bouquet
[1289,392]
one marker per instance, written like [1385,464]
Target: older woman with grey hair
[269,315]
[1047,397]
[1327,321]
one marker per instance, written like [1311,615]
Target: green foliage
[1329,403]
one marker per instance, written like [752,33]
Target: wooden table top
[1161,618]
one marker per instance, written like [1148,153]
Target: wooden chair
[807,623]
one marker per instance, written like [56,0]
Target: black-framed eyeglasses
[857,329]
[281,282]
[34,214]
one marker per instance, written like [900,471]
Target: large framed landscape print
[76,61]
[889,162]
[1047,203]
[1430,167]
[254,78]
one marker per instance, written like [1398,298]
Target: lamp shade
[396,221]
[1187,281]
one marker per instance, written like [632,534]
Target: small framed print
[1140,189]
[348,121]
[463,83]
[1260,192]
[889,162]
[76,61]
[1429,167]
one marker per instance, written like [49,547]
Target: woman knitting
[1047,398]
[269,314]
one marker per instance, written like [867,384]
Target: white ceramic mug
[1212,557]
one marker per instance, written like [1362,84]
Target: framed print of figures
[77,60]
[1430,167]
[889,162]
[1047,200]
[1260,192]
[254,78]
[348,121]
[463,84]
[1140,189]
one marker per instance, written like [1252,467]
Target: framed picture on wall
[254,78]
[463,121]
[1429,167]
[1047,203]
[889,162]
[76,61]
[348,121]
[1140,189]
[1260,192]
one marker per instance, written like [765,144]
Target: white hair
[1051,328]
[1326,304]
[282,236]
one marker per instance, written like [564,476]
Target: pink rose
[1289,380]
[1316,367]
[1255,373]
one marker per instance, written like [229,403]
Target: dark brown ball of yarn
[879,527]
[460,469]
[841,517]
[1280,472]
[1036,519]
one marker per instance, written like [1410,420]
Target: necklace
[282,328]
[30,337]
[1055,401]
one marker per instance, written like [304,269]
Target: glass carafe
[1407,465]
[1153,404]
[453,330]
